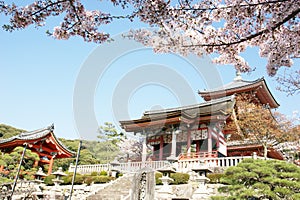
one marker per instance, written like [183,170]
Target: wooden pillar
[198,146]
[209,141]
[161,147]
[144,152]
[218,140]
[174,143]
[50,165]
[188,145]
[173,147]
[36,163]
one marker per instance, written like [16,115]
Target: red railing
[194,155]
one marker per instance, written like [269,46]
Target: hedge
[179,178]
[103,179]
[103,173]
[80,179]
[48,179]
[157,180]
[215,177]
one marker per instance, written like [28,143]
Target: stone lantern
[39,176]
[201,192]
[58,175]
[166,190]
[114,167]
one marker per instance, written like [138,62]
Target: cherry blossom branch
[224,28]
[75,11]
[232,6]
[286,19]
[48,6]
[289,82]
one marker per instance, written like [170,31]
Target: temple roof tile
[212,109]
[38,134]
[238,85]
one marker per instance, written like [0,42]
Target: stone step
[114,191]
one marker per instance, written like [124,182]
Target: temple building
[200,130]
[41,141]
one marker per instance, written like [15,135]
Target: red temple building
[41,141]
[199,130]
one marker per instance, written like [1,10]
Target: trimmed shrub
[48,179]
[103,173]
[94,173]
[215,177]
[67,179]
[102,179]
[180,178]
[4,180]
[157,180]
[89,179]
[217,198]
[79,179]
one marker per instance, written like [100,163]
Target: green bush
[102,179]
[266,179]
[217,198]
[89,179]
[215,177]
[157,180]
[66,180]
[48,179]
[180,178]
[5,180]
[103,173]
[94,173]
[79,179]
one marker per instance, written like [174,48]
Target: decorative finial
[51,127]
[238,76]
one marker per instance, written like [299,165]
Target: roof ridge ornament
[51,127]
[238,76]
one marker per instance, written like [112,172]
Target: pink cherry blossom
[221,27]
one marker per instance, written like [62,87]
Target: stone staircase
[117,190]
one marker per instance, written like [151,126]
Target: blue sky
[38,75]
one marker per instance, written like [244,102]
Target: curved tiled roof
[191,108]
[31,135]
[36,135]
[239,86]
[233,85]
[211,109]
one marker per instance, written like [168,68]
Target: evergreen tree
[10,161]
[109,132]
[261,179]
[7,131]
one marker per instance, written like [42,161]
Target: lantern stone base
[166,190]
[201,192]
